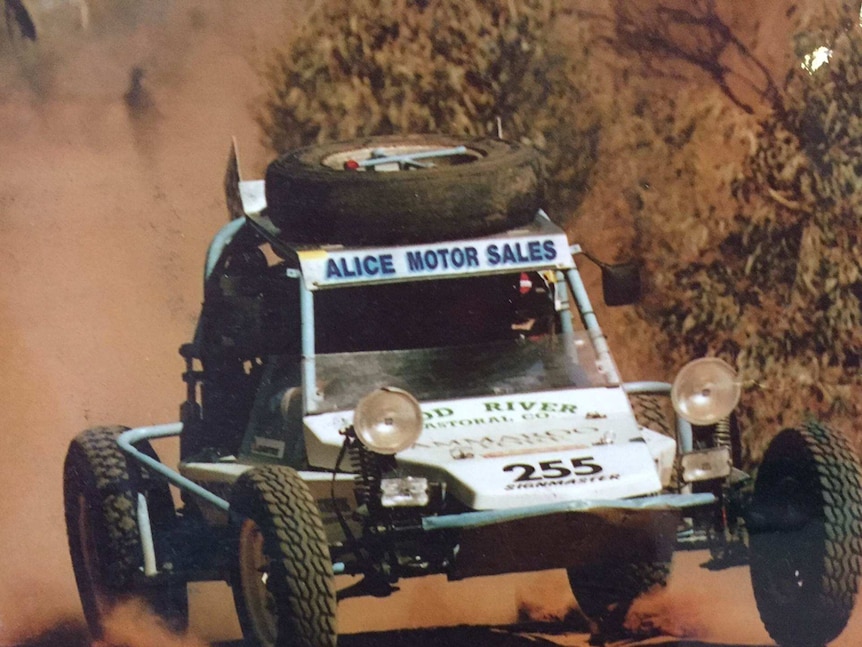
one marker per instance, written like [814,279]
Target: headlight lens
[388,420]
[705,391]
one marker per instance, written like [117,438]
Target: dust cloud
[132,624]
[105,214]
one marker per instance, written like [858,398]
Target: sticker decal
[574,471]
[442,417]
[540,440]
[575,480]
[554,469]
[540,247]
[268,447]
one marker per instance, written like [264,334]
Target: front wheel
[805,525]
[282,578]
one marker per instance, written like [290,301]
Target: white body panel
[538,246]
[490,450]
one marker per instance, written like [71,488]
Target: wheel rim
[437,155]
[786,580]
[254,570]
[790,555]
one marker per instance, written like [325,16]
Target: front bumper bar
[532,538]
[664,502]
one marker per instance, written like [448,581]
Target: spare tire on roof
[318,195]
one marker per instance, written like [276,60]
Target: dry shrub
[800,242]
[749,227]
[667,161]
[775,285]
[449,66]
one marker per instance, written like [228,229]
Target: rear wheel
[282,579]
[605,592]
[101,487]
[805,524]
[488,187]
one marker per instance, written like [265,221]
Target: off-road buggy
[387,381]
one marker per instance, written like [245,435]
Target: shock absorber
[727,541]
[366,466]
[721,436]
[378,547]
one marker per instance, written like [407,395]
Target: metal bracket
[411,158]
[126,442]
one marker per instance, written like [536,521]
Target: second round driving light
[706,391]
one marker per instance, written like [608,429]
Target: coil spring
[721,435]
[367,470]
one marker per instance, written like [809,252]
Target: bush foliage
[373,67]
[798,246]
[768,274]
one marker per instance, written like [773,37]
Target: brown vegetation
[774,283]
[385,66]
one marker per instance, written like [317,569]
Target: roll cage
[444,294]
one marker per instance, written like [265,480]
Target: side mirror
[621,283]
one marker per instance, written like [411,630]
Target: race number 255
[556,469]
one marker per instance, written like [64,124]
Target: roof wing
[243,197]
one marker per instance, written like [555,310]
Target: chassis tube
[309,368]
[490,517]
[146,530]
[127,440]
[220,241]
[565,310]
[592,323]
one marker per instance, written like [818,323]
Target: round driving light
[705,391]
[387,420]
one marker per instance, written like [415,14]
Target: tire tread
[279,501]
[823,457]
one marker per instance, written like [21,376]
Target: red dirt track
[104,221]
[105,216]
